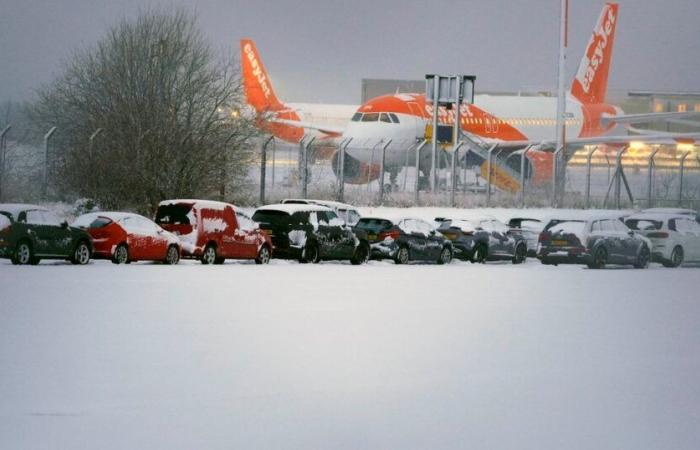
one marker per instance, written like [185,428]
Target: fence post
[341,170]
[618,175]
[417,180]
[523,179]
[589,160]
[305,168]
[650,177]
[263,168]
[381,172]
[488,174]
[455,156]
[680,180]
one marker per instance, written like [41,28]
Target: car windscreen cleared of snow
[643,224]
[567,227]
[173,214]
[373,225]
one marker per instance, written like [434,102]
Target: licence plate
[559,242]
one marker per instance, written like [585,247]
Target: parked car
[675,238]
[213,231]
[529,229]
[30,233]
[405,240]
[127,237]
[346,212]
[595,241]
[311,233]
[677,211]
[483,239]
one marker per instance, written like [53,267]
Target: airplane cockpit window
[357,117]
[370,117]
[384,117]
[394,118]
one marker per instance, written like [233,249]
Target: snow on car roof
[658,216]
[682,211]
[328,203]
[291,208]
[16,208]
[87,219]
[210,204]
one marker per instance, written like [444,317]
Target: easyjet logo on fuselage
[600,41]
[257,70]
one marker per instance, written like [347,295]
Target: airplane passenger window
[385,118]
[394,117]
[357,117]
[370,117]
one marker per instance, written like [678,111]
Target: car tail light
[544,236]
[391,234]
[658,234]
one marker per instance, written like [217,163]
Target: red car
[214,231]
[126,237]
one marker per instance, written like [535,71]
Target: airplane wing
[330,131]
[648,117]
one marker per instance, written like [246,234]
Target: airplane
[511,123]
[290,122]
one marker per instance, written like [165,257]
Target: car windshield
[567,227]
[373,225]
[173,214]
[644,224]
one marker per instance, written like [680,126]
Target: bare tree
[167,109]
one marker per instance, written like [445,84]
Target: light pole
[45,177]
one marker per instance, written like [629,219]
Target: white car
[675,238]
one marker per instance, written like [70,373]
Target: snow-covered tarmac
[334,356]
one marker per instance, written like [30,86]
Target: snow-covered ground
[334,356]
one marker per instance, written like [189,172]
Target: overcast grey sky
[319,50]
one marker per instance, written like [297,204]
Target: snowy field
[334,356]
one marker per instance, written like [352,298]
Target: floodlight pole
[434,140]
[561,102]
[45,177]
[3,155]
[455,155]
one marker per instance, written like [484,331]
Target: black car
[405,240]
[311,233]
[485,239]
[29,233]
[594,241]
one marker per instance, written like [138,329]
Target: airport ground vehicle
[529,229]
[311,233]
[346,212]
[595,241]
[483,239]
[30,233]
[405,240]
[213,231]
[126,237]
[675,238]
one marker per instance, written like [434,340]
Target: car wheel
[676,259]
[209,255]
[445,256]
[121,254]
[402,256]
[263,255]
[173,255]
[361,254]
[479,255]
[23,253]
[520,254]
[600,258]
[643,258]
[310,253]
[81,255]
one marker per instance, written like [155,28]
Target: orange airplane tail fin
[591,82]
[256,83]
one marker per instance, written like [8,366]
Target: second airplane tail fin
[591,82]
[256,82]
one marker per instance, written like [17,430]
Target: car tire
[479,254]
[520,254]
[403,256]
[209,255]
[677,256]
[445,256]
[81,254]
[263,255]
[172,256]
[121,254]
[361,254]
[643,257]
[600,258]
[23,254]
[310,254]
